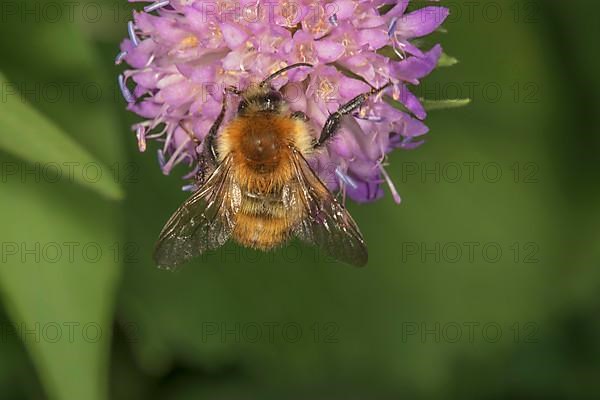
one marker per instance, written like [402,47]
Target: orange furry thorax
[260,146]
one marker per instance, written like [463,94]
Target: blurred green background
[483,284]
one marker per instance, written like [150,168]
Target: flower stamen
[119,58]
[132,35]
[141,137]
[333,20]
[388,180]
[345,178]
[127,95]
[156,6]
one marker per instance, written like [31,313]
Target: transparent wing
[327,224]
[204,222]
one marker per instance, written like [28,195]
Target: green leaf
[40,291]
[57,276]
[28,134]
[431,105]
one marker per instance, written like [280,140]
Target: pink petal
[233,35]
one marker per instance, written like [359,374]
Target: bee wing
[327,223]
[204,222]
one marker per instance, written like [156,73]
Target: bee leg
[332,124]
[212,133]
[190,134]
[205,169]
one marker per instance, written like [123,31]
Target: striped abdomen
[264,221]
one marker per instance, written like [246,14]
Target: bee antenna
[283,70]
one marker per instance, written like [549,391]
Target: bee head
[267,100]
[263,97]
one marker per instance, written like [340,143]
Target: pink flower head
[183,53]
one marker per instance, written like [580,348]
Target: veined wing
[327,223]
[204,222]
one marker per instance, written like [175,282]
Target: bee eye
[273,97]
[272,100]
[242,106]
